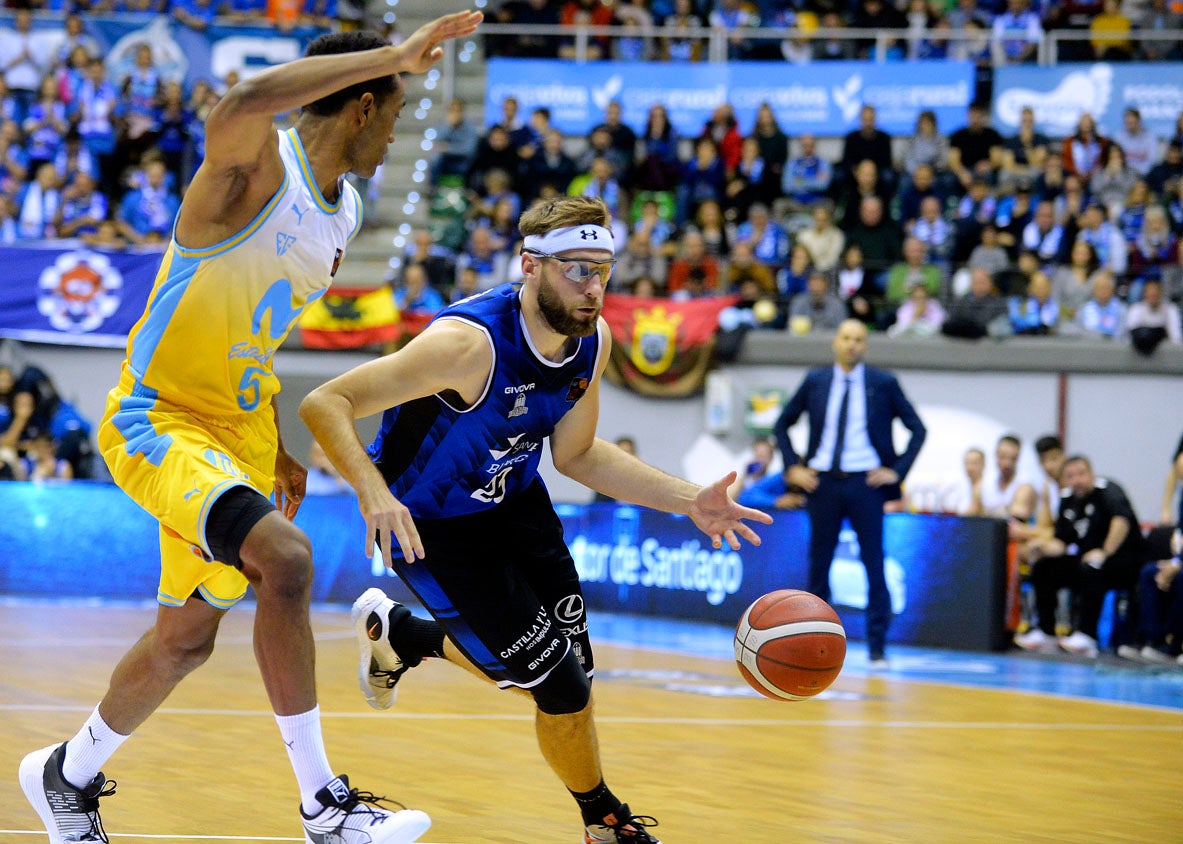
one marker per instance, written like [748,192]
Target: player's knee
[566,690]
[183,653]
[284,566]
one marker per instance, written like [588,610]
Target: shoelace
[356,801]
[389,677]
[90,805]
[639,823]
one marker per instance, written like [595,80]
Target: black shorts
[503,585]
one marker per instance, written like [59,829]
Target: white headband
[571,237]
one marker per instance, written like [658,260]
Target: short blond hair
[546,215]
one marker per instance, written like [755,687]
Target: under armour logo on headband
[588,234]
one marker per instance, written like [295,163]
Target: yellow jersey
[217,315]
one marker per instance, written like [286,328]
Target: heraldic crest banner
[662,347]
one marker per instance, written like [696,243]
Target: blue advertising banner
[822,98]
[946,574]
[1059,95]
[66,293]
[178,51]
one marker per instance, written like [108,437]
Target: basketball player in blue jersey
[453,477]
[191,433]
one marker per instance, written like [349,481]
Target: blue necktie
[840,439]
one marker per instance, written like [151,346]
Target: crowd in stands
[87,155]
[987,32]
[42,436]
[954,230]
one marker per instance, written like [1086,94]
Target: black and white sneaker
[70,814]
[379,667]
[621,827]
[350,816]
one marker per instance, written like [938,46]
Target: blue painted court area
[1107,678]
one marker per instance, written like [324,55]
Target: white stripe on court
[122,835]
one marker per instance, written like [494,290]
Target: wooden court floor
[883,760]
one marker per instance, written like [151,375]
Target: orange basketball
[789,645]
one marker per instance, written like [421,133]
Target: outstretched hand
[419,52]
[718,516]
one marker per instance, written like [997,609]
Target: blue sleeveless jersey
[442,459]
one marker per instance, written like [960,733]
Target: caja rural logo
[79,291]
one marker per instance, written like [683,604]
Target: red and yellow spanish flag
[349,318]
[662,347]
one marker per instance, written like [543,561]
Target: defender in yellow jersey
[190,431]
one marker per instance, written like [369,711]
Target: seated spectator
[723,129]
[45,125]
[745,183]
[760,462]
[816,309]
[496,185]
[794,278]
[490,264]
[638,260]
[1137,142]
[976,209]
[914,268]
[770,242]
[865,184]
[988,254]
[1023,155]
[1035,312]
[714,231]
[979,312]
[1103,315]
[920,316]
[1133,211]
[454,145]
[702,179]
[106,236]
[678,46]
[519,133]
[1153,320]
[436,259]
[1051,182]
[1111,183]
[772,493]
[807,176]
[744,267]
[927,147]
[622,138]
[467,284]
[599,145]
[920,187]
[74,158]
[15,424]
[537,12]
[823,240]
[146,214]
[1160,601]
[1003,492]
[1156,248]
[1105,238]
[861,290]
[832,49]
[965,498]
[1072,284]
[1012,214]
[874,16]
[1096,547]
[975,151]
[693,257]
[1167,172]
[1110,34]
[1084,151]
[39,204]
[1043,235]
[41,461]
[933,230]
[1071,203]
[658,167]
[867,143]
[580,13]
[657,229]
[37,407]
[877,235]
[636,20]
[82,208]
[415,295]
[493,152]
[549,166]
[601,183]
[1009,46]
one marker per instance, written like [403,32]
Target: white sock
[306,750]
[94,744]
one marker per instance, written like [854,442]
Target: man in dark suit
[851,467]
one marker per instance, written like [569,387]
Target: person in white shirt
[1138,144]
[1005,494]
